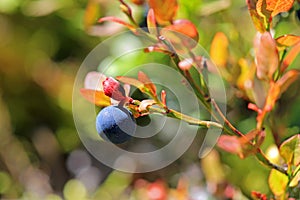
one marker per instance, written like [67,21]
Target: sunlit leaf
[296,177]
[219,49]
[258,21]
[279,6]
[119,21]
[96,97]
[147,82]
[277,182]
[182,34]
[164,10]
[131,81]
[290,150]
[287,79]
[290,57]
[266,56]
[288,40]
[151,22]
[91,14]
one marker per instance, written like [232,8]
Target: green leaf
[290,150]
[278,182]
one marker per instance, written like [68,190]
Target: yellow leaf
[219,49]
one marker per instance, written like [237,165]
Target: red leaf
[96,97]
[230,144]
[119,21]
[164,10]
[266,55]
[147,82]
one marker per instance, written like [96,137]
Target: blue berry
[115,124]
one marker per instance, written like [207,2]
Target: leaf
[119,21]
[270,8]
[96,97]
[131,81]
[91,14]
[230,144]
[93,80]
[287,79]
[182,34]
[290,150]
[296,178]
[280,6]
[164,10]
[151,22]
[261,8]
[290,57]
[219,49]
[278,182]
[147,82]
[266,55]
[288,40]
[257,20]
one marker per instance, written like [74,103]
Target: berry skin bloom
[115,124]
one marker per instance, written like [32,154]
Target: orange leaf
[292,54]
[151,22]
[91,14]
[281,6]
[219,49]
[131,81]
[164,10]
[147,82]
[288,40]
[267,58]
[119,21]
[182,34]
[96,97]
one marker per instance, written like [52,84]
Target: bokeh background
[42,45]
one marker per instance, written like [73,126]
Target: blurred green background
[43,43]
